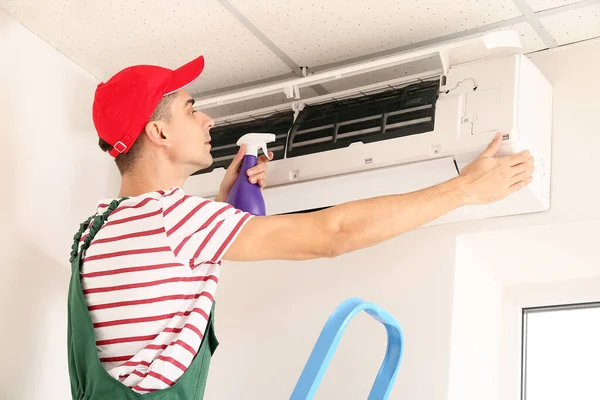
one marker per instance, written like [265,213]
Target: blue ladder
[329,339]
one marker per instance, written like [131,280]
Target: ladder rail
[329,339]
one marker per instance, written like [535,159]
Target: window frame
[526,311]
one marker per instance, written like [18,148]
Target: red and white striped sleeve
[198,229]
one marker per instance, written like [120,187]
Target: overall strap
[95,222]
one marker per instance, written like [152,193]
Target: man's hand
[488,178]
[256,174]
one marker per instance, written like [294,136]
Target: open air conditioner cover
[335,124]
[369,118]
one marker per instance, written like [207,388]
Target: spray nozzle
[254,141]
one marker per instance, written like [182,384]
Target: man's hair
[125,161]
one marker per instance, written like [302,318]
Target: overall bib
[89,379]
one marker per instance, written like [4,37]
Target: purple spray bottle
[244,195]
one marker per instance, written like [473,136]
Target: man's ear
[155,132]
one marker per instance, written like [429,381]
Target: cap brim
[185,75]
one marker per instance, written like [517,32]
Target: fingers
[261,166]
[258,173]
[241,152]
[257,169]
[520,158]
[493,147]
[522,176]
[522,172]
[520,184]
[237,160]
[258,178]
[264,158]
[526,166]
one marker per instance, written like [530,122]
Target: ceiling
[247,41]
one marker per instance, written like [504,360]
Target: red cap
[124,104]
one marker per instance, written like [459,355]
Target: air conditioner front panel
[321,193]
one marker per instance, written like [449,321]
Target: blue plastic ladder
[329,339]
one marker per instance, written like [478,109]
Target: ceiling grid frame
[566,8]
[264,39]
[536,23]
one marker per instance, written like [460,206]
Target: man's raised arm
[363,223]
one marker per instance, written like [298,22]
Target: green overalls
[89,379]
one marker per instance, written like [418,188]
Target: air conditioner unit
[398,135]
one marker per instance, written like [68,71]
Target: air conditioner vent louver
[369,118]
[335,124]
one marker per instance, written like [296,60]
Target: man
[150,273]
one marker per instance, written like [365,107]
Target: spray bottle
[244,195]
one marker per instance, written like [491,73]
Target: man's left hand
[256,174]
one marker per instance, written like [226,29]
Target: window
[561,353]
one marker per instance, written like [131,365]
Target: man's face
[189,133]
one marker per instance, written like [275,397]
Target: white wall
[474,353]
[270,314]
[52,174]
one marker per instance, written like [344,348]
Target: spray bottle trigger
[265,150]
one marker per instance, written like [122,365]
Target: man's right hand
[364,223]
[488,178]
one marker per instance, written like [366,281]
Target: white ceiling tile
[320,32]
[575,25]
[540,5]
[104,36]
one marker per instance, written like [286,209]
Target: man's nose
[209,123]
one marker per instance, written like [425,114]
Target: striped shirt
[149,278]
